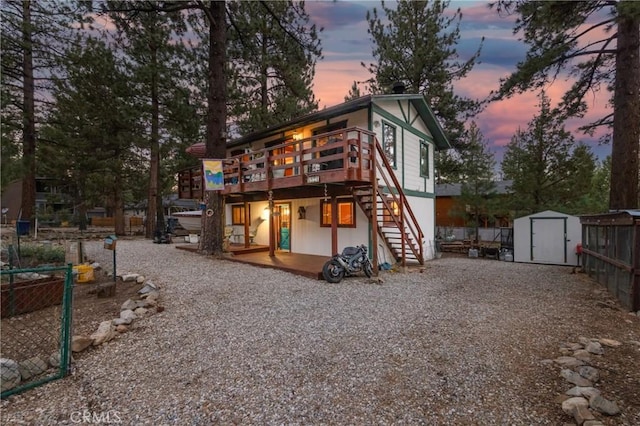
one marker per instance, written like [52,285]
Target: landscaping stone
[575,378]
[128,305]
[128,315]
[32,367]
[80,343]
[598,403]
[104,333]
[10,373]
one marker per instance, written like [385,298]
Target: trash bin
[172,223]
[22,227]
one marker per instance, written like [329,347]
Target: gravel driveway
[464,342]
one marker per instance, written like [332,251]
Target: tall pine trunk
[118,205]
[213,217]
[154,200]
[28,121]
[625,189]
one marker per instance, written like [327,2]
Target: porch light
[297,136]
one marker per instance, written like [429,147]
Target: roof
[419,102]
[455,189]
[614,217]
[546,214]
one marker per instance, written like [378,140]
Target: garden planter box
[32,295]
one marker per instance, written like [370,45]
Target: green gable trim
[397,121]
[404,115]
[424,111]
[404,159]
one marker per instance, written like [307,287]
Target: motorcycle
[351,261]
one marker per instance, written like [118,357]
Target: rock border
[583,399]
[131,310]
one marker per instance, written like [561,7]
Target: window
[387,219]
[389,143]
[424,159]
[237,215]
[346,213]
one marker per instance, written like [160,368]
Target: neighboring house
[323,181]
[448,207]
[52,202]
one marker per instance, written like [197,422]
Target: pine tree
[598,43]
[33,33]
[548,170]
[272,55]
[478,188]
[157,65]
[417,47]
[91,131]
[354,92]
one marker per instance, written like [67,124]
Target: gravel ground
[462,343]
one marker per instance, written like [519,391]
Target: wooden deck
[306,265]
[340,157]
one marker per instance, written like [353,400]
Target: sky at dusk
[346,44]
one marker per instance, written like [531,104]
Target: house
[53,203]
[324,181]
[448,206]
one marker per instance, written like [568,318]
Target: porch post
[247,222]
[334,225]
[272,239]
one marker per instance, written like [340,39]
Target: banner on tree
[213,175]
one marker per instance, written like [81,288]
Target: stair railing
[398,196]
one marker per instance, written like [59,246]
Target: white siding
[306,235]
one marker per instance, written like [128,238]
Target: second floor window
[389,143]
[424,159]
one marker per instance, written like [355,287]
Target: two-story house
[361,172]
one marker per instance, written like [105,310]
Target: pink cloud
[333,80]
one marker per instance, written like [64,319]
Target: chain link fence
[35,333]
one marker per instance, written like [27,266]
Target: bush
[37,254]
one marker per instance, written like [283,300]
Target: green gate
[35,335]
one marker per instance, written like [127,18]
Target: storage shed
[547,237]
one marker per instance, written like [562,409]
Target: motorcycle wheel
[368,268]
[333,272]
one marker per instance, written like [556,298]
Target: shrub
[36,254]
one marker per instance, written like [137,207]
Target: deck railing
[339,156]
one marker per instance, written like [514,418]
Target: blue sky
[346,44]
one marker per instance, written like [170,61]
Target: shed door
[549,240]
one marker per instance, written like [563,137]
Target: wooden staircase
[389,212]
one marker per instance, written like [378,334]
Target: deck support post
[247,223]
[334,225]
[272,237]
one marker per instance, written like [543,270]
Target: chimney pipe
[398,87]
